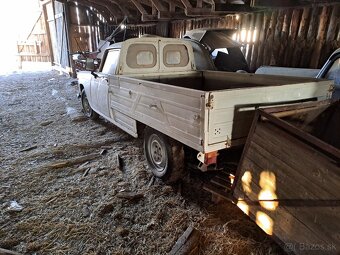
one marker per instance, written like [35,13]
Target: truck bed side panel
[174,111]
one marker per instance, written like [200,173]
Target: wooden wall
[296,37]
[300,37]
[35,47]
[87,28]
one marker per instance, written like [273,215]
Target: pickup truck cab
[152,84]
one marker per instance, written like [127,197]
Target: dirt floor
[76,201]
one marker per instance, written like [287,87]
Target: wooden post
[250,34]
[68,31]
[270,39]
[274,60]
[310,40]
[262,39]
[284,37]
[292,34]
[258,28]
[8,252]
[245,25]
[188,243]
[301,42]
[321,36]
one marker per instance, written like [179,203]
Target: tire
[88,111]
[164,156]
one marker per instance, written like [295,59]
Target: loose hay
[67,212]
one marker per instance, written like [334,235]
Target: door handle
[153,106]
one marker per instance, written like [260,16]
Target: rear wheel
[164,156]
[88,111]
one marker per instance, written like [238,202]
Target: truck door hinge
[210,103]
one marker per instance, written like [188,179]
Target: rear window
[141,56]
[175,55]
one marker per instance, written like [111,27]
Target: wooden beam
[191,11]
[211,2]
[289,3]
[44,2]
[103,6]
[188,243]
[176,3]
[116,12]
[68,32]
[172,7]
[139,7]
[159,6]
[145,15]
[122,8]
[8,252]
[163,12]
[235,8]
[48,32]
[216,9]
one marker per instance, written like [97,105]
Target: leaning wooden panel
[288,180]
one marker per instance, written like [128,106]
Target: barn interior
[70,185]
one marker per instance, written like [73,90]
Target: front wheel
[164,156]
[88,111]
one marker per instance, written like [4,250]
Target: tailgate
[230,112]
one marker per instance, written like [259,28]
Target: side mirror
[89,65]
[94,74]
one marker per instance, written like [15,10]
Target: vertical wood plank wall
[87,28]
[295,37]
[35,48]
[303,37]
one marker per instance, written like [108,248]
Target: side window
[141,55]
[111,62]
[175,55]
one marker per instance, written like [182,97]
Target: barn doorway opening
[24,41]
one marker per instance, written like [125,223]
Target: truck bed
[214,80]
[207,110]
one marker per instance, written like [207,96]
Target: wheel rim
[158,154]
[86,106]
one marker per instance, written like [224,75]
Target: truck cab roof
[151,55]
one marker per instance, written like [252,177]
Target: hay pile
[76,197]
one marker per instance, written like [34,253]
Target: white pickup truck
[152,84]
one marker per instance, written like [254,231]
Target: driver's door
[102,95]
[100,84]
